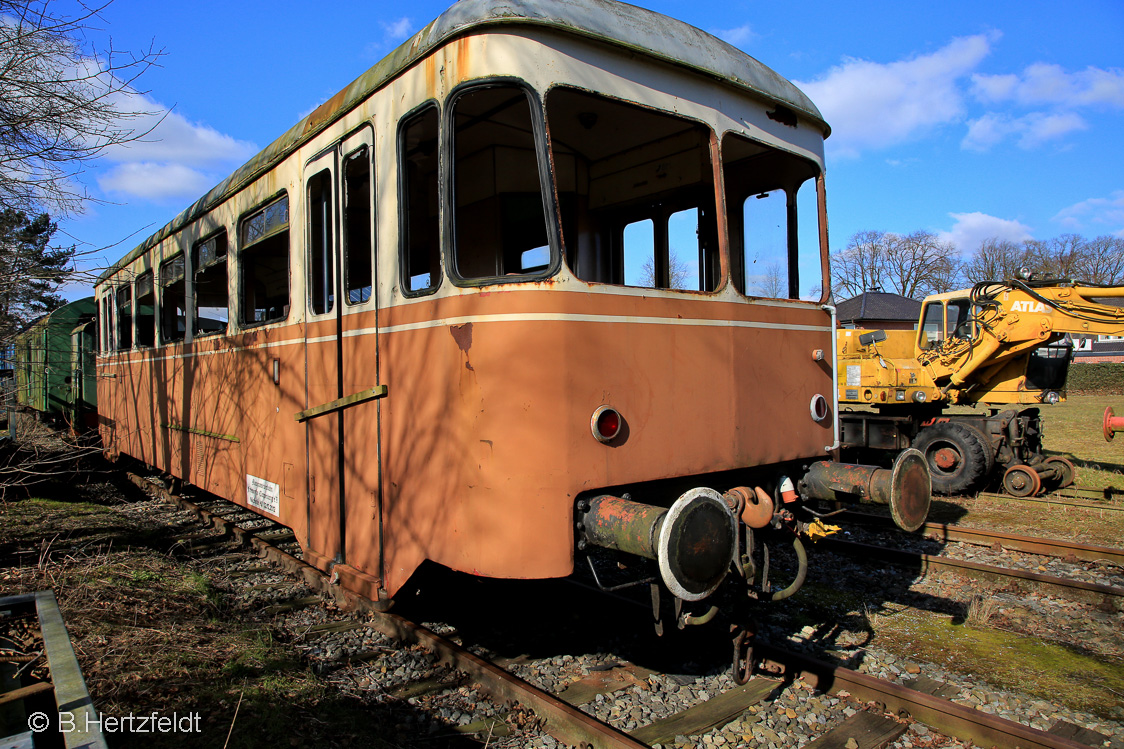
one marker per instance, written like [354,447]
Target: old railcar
[547,266]
[50,378]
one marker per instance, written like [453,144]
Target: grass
[1011,660]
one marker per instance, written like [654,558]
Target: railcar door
[341,360]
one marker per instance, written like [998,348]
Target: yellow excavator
[1002,346]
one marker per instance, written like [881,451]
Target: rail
[67,685]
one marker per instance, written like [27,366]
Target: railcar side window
[418,157]
[107,342]
[621,169]
[500,226]
[321,275]
[173,300]
[264,261]
[210,285]
[358,247]
[146,310]
[772,218]
[124,318]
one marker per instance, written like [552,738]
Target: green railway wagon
[53,375]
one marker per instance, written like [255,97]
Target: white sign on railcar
[264,495]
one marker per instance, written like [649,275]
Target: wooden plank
[706,715]
[601,682]
[332,627]
[932,686]
[429,686]
[293,605]
[25,692]
[862,730]
[378,391]
[1068,730]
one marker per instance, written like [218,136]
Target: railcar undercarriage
[711,551]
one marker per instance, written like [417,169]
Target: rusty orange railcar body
[441,409]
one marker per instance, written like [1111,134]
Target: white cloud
[174,139]
[872,105]
[739,36]
[1048,84]
[155,181]
[971,229]
[1032,130]
[399,29]
[1096,214]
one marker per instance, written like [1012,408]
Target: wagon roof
[616,23]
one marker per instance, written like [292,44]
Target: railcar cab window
[124,318]
[772,217]
[146,309]
[264,260]
[173,300]
[418,162]
[210,285]
[636,192]
[499,221]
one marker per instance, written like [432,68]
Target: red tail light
[606,423]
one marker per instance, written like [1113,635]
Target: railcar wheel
[958,455]
[1066,471]
[1021,481]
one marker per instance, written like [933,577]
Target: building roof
[878,305]
[644,32]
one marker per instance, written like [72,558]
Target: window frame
[792,194]
[372,229]
[193,306]
[283,193]
[544,167]
[632,214]
[161,337]
[403,221]
[151,272]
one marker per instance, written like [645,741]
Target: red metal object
[1112,424]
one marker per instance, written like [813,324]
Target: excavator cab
[942,317]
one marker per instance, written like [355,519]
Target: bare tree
[912,265]
[1102,260]
[998,259]
[61,105]
[676,271]
[861,265]
[918,263]
[771,282]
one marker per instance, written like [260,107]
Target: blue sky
[966,119]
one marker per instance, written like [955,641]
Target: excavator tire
[958,455]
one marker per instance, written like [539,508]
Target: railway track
[944,533]
[1064,500]
[561,713]
[1065,587]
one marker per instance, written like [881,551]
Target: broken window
[146,310]
[771,213]
[500,226]
[210,285]
[358,246]
[417,152]
[124,318]
[264,260]
[636,192]
[173,300]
